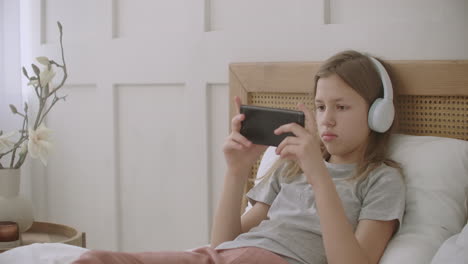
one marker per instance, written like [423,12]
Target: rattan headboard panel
[442,116]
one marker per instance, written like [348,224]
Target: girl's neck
[353,158]
[341,160]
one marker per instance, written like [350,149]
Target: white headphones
[382,111]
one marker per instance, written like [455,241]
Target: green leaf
[25,73]
[25,107]
[13,109]
[35,69]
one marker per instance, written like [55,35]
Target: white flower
[46,76]
[33,82]
[5,141]
[39,145]
[43,60]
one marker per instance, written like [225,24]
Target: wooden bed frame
[431,97]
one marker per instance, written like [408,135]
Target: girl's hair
[358,71]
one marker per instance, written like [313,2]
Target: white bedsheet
[454,250]
[42,253]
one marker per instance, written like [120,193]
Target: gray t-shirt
[292,228]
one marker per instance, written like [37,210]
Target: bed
[431,145]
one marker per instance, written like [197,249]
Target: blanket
[42,253]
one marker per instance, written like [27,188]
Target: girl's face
[341,115]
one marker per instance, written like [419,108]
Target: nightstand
[43,232]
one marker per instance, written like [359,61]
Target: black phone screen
[260,122]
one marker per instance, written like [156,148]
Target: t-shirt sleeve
[383,197]
[266,190]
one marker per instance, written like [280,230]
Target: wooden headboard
[432,96]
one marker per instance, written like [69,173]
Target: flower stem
[43,101]
[22,137]
[21,160]
[56,99]
[39,113]
[13,157]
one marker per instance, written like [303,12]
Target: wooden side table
[43,232]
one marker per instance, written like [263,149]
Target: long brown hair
[358,71]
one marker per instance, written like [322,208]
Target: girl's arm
[228,223]
[341,244]
[373,236]
[240,155]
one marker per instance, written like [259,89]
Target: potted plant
[32,138]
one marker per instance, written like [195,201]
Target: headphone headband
[387,84]
[382,112]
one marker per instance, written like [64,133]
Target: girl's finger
[288,152]
[236,122]
[287,141]
[233,145]
[237,102]
[240,139]
[294,128]
[310,123]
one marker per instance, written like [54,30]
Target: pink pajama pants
[203,255]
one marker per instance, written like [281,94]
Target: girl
[333,196]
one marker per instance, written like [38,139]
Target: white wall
[138,162]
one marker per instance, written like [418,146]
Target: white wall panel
[397,11]
[137,18]
[218,130]
[155,189]
[247,14]
[79,182]
[83,19]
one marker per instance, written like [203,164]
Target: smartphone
[260,122]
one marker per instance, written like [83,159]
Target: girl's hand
[305,146]
[239,152]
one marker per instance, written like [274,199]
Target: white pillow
[269,157]
[436,176]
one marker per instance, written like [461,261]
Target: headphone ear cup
[381,114]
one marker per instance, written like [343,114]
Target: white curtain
[10,68]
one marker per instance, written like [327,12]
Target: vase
[13,207]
